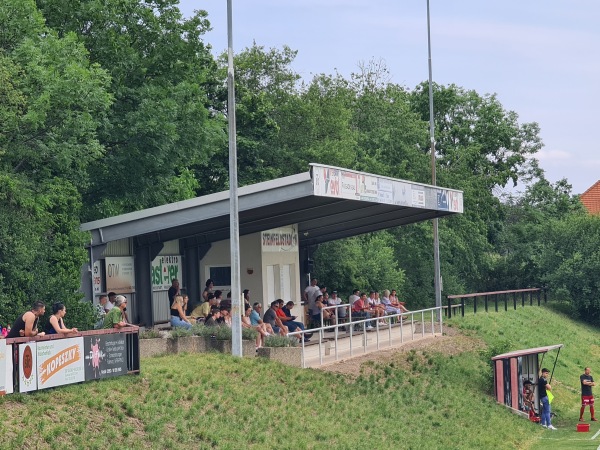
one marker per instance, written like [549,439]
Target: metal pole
[436,240]
[234,225]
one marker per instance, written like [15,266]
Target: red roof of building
[591,199]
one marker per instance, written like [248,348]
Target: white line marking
[595,436]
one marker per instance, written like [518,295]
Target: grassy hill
[418,399]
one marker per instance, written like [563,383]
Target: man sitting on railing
[362,310]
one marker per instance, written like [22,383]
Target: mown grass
[417,400]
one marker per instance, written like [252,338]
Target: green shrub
[280,341]
[150,334]
[178,332]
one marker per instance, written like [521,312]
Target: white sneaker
[552,427]
[544,426]
[370,328]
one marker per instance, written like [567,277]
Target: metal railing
[326,344]
[489,297]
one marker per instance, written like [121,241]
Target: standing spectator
[26,324]
[115,318]
[111,298]
[543,388]
[207,289]
[101,310]
[310,294]
[587,398]
[55,324]
[173,290]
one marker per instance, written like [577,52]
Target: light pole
[234,225]
[436,239]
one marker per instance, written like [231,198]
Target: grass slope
[416,400]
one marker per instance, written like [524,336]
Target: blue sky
[541,57]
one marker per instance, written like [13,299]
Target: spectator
[271,318]
[396,303]
[213,316]
[201,311]
[543,388]
[286,317]
[207,289]
[310,294]
[255,319]
[362,310]
[327,314]
[173,290]
[334,300]
[101,310]
[111,298]
[246,295]
[261,333]
[377,309]
[222,303]
[355,296]
[26,324]
[178,318]
[225,316]
[386,302]
[55,324]
[115,319]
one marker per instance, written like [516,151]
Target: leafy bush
[249,334]
[178,332]
[150,334]
[280,341]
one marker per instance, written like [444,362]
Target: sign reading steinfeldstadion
[351,185]
[284,239]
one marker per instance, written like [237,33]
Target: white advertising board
[60,362]
[3,367]
[120,275]
[164,269]
[97,277]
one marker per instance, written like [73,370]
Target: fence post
[486,303]
[462,306]
[523,299]
[496,301]
[506,302]
[515,300]
[539,296]
[475,305]
[545,288]
[530,298]
[449,310]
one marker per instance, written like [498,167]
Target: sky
[540,57]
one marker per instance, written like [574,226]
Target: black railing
[496,297]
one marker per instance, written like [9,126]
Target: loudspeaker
[309,265]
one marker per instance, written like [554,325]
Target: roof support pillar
[143,257]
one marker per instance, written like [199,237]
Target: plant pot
[153,347]
[291,356]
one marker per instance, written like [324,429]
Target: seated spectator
[225,303]
[178,317]
[334,300]
[261,333]
[327,314]
[26,324]
[396,303]
[201,311]
[389,308]
[377,309]
[362,310]
[271,318]
[255,319]
[213,316]
[114,318]
[225,316]
[285,315]
[55,324]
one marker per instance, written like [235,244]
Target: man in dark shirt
[543,388]
[173,290]
[271,318]
[587,398]
[26,324]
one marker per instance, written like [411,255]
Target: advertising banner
[349,185]
[442,199]
[164,269]
[284,239]
[97,278]
[105,356]
[120,276]
[327,181]
[367,188]
[3,367]
[455,202]
[402,193]
[60,362]
[27,367]
[385,191]
[418,197]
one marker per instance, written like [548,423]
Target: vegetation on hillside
[108,106]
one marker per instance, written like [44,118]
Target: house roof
[327,203]
[591,198]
